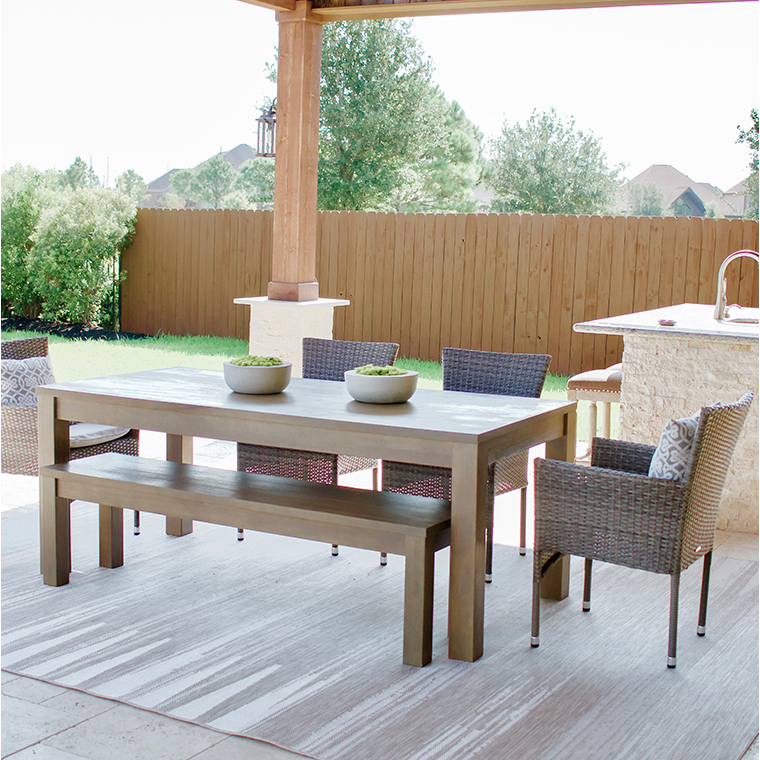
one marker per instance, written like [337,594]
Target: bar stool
[597,386]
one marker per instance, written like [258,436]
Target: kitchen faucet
[720,300]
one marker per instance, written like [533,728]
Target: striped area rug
[275,639]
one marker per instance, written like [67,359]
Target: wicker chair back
[491,372]
[714,444]
[325,359]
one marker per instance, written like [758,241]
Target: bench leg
[111,536]
[418,601]
[55,534]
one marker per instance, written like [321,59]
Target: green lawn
[80,359]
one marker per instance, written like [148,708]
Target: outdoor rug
[275,639]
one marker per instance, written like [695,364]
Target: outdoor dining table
[461,431]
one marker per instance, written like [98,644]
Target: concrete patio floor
[47,722]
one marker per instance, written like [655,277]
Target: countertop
[690,319]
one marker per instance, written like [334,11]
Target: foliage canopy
[750,136]
[61,241]
[388,138]
[549,167]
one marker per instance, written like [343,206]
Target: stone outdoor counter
[672,371]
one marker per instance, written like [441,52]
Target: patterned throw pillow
[21,376]
[673,453]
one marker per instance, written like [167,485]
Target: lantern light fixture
[267,131]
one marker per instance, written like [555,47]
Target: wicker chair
[614,512]
[19,425]
[479,372]
[323,359]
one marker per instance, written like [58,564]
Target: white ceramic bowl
[258,380]
[381,389]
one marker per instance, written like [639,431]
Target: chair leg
[523,511]
[673,632]
[587,585]
[136,523]
[241,534]
[335,550]
[489,540]
[536,604]
[383,559]
[705,589]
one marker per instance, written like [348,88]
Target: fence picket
[500,282]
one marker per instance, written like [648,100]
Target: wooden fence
[495,282]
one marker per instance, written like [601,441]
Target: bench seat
[411,526]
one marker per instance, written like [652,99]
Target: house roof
[675,185]
[161,185]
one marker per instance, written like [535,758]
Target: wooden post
[297,152]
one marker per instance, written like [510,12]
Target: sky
[152,85]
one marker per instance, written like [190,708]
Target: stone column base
[279,327]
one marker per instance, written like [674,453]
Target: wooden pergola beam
[274,5]
[348,10]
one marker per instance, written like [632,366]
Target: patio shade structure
[298,83]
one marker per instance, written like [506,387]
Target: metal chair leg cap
[671,662]
[700,630]
[534,641]
[335,551]
[488,577]
[383,561]
[522,551]
[586,606]
[137,531]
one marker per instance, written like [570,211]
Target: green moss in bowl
[373,369]
[256,361]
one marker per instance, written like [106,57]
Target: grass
[80,359]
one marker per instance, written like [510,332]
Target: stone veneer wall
[672,377]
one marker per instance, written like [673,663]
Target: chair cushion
[609,379]
[83,434]
[671,458]
[21,376]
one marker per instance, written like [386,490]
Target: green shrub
[21,209]
[60,246]
[76,252]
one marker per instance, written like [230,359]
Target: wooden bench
[377,520]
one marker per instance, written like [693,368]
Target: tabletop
[434,414]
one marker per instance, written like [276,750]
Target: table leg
[556,583]
[469,475]
[55,522]
[179,448]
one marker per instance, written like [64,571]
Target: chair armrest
[625,456]
[586,510]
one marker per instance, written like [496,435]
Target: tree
[549,167]
[376,112]
[450,168]
[648,200]
[79,175]
[208,183]
[750,136]
[256,181]
[132,184]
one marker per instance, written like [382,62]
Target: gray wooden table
[462,431]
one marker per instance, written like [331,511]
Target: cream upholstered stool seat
[597,386]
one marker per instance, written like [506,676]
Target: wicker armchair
[614,512]
[479,372]
[323,359]
[19,424]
